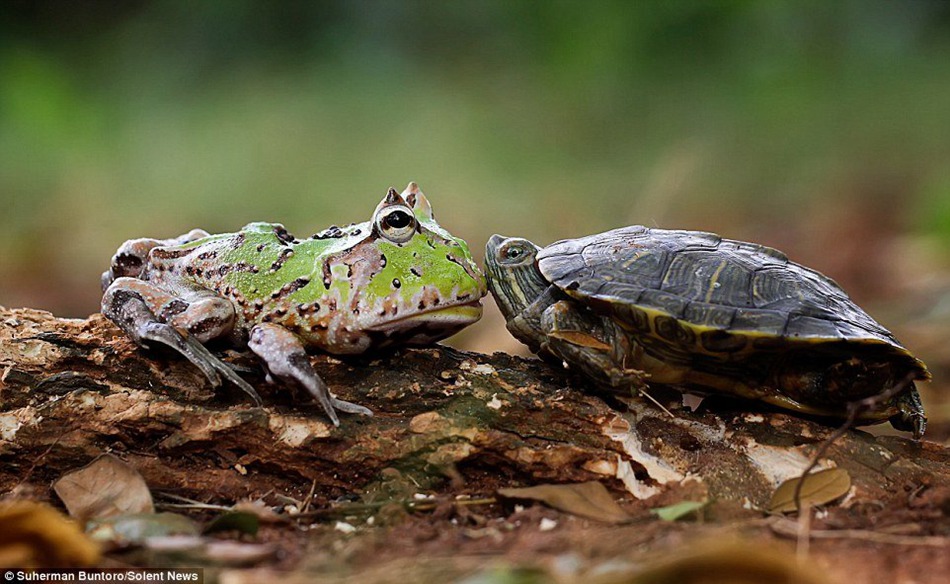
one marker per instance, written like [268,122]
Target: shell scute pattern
[708,282]
[714,315]
[703,275]
[665,302]
[774,287]
[763,254]
[767,322]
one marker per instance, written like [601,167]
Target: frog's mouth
[448,318]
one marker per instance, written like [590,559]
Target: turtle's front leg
[148,314]
[590,342]
[285,357]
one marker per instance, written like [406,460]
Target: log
[73,389]
[447,423]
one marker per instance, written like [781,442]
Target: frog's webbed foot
[132,304]
[286,359]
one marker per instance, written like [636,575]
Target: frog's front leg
[285,357]
[129,259]
[149,314]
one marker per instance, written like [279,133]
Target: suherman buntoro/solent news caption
[150,575]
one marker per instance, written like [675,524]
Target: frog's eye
[397,224]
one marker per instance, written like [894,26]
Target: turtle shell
[690,293]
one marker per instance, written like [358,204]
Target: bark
[446,422]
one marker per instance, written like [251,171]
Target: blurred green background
[821,128]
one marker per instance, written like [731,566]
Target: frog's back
[207,262]
[268,275]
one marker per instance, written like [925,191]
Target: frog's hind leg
[144,312]
[285,357]
[129,259]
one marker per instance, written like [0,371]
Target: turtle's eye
[512,253]
[396,224]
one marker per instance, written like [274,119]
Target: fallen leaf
[678,510]
[817,488]
[590,500]
[36,535]
[105,487]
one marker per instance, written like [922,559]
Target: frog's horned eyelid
[393,198]
[421,205]
[417,200]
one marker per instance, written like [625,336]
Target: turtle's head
[513,276]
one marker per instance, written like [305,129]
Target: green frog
[399,278]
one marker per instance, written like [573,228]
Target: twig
[642,390]
[186,503]
[194,506]
[36,461]
[409,505]
[855,408]
[789,528]
[804,529]
[644,393]
[306,502]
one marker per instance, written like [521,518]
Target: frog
[398,279]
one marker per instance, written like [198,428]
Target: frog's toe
[285,358]
[350,407]
[159,332]
[229,374]
[242,368]
[212,367]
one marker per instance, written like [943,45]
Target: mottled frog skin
[399,278]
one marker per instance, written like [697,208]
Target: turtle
[707,315]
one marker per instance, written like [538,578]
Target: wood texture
[447,424]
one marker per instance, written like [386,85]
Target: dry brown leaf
[36,535]
[818,488]
[590,500]
[105,487]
